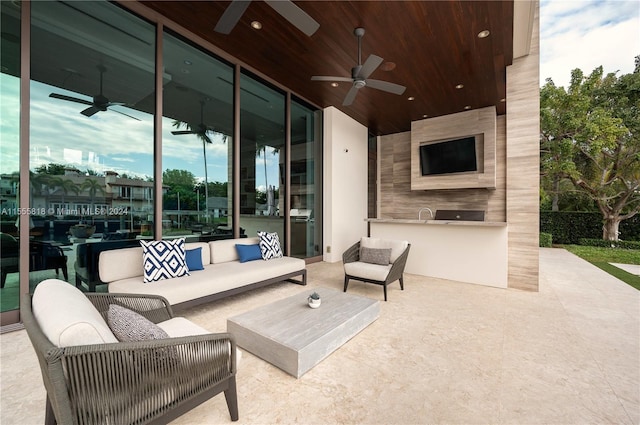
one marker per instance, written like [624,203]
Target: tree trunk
[610,228]
[556,191]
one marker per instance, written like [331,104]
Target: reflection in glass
[262,141]
[306,181]
[91,135]
[9,155]
[196,142]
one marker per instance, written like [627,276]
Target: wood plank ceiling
[428,46]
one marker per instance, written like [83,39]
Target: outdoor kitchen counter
[463,251]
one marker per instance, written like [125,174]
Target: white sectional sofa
[223,273]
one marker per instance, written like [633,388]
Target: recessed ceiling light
[425,116]
[411,98]
[467,107]
[187,62]
[334,84]
[503,100]
[459,86]
[388,66]
[484,34]
[256,25]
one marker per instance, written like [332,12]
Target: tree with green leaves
[590,136]
[93,186]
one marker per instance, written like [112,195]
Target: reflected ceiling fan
[99,103]
[360,74]
[286,8]
[199,130]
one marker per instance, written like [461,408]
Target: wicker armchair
[132,382]
[375,273]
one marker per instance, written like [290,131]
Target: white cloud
[585,35]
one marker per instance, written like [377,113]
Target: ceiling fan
[200,129]
[286,8]
[360,74]
[99,103]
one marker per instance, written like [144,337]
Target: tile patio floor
[441,352]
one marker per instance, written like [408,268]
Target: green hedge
[608,244]
[568,227]
[546,239]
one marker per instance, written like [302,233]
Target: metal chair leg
[346,283]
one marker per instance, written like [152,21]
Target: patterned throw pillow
[127,325]
[375,255]
[163,259]
[270,245]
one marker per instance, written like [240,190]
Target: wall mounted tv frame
[449,156]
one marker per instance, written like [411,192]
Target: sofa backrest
[225,250]
[126,263]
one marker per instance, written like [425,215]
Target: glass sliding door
[197,144]
[91,133]
[262,171]
[306,181]
[9,155]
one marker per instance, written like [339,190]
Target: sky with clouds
[586,34]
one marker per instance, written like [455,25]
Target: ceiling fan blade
[126,115]
[351,95]
[231,16]
[328,78]
[386,86]
[91,111]
[370,65]
[178,133]
[292,13]
[70,99]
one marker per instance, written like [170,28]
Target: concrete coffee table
[294,337]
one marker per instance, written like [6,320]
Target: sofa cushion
[270,245]
[249,252]
[397,247]
[127,325]
[163,259]
[375,255]
[193,257]
[67,317]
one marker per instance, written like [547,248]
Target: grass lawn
[601,257]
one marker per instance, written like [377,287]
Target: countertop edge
[438,222]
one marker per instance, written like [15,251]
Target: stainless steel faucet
[423,209]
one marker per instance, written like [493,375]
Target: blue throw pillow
[248,252]
[194,259]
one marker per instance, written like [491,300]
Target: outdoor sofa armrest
[153,307]
[351,254]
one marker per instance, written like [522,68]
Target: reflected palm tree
[66,185]
[93,186]
[200,130]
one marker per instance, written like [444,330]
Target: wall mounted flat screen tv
[451,156]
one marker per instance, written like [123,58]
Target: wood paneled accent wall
[523,166]
[397,200]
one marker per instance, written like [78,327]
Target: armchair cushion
[127,325]
[367,270]
[77,323]
[379,256]
[397,247]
